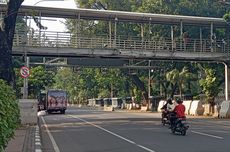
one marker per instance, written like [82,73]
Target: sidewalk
[23,141]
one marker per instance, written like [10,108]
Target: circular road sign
[24,72]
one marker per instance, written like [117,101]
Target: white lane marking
[38,143]
[37,140]
[56,149]
[112,133]
[204,134]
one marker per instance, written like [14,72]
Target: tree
[211,85]
[39,79]
[179,79]
[7,29]
[9,114]
[227,18]
[209,8]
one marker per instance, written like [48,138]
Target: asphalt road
[85,130]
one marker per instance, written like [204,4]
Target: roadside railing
[69,40]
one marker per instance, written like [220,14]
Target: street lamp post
[149,84]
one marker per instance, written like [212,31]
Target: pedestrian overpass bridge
[115,45]
[60,44]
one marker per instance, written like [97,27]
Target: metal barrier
[65,39]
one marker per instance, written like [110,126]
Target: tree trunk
[174,87]
[6,42]
[6,70]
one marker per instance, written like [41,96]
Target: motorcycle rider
[170,105]
[179,111]
[167,108]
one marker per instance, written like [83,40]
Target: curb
[38,145]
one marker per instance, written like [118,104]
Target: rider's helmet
[169,101]
[178,100]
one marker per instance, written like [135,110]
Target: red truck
[56,101]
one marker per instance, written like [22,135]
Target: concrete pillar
[227,80]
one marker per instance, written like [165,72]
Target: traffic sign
[24,72]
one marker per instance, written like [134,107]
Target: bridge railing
[69,40]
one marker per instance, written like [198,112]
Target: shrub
[227,17]
[9,114]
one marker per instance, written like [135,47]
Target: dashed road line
[114,134]
[209,135]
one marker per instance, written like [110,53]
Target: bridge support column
[227,81]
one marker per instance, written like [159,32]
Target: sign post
[25,73]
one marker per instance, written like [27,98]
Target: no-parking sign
[24,72]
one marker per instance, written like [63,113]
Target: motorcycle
[180,126]
[165,117]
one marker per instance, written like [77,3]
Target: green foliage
[184,80]
[120,5]
[20,24]
[210,84]
[90,83]
[227,18]
[9,114]
[39,79]
[180,78]
[208,8]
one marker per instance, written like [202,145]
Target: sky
[50,22]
